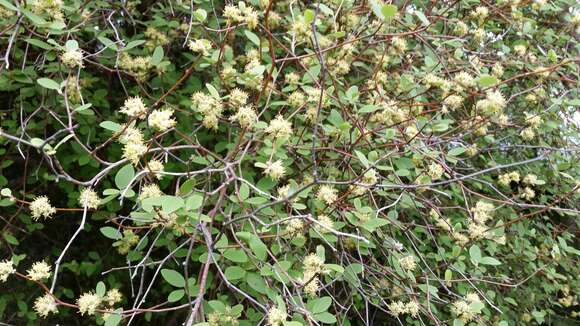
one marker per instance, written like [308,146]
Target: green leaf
[236,255]
[456,151]
[111,232]
[175,295]
[35,19]
[448,275]
[133,44]
[110,125]
[124,176]
[375,223]
[486,80]
[193,202]
[8,5]
[39,43]
[114,318]
[258,248]
[389,11]
[10,238]
[173,277]
[252,37]
[101,289]
[325,317]
[362,158]
[48,83]
[489,261]
[257,283]
[244,191]
[83,107]
[107,43]
[309,16]
[214,92]
[234,273]
[157,56]
[170,204]
[422,17]
[200,15]
[458,322]
[71,45]
[377,8]
[319,305]
[475,254]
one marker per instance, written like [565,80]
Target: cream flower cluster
[399,45]
[39,271]
[493,104]
[72,58]
[397,308]
[327,194]
[129,240]
[275,170]
[201,46]
[140,66]
[88,303]
[294,227]
[325,223]
[150,190]
[241,13]
[279,128]
[527,193]
[161,120]
[52,8]
[368,180]
[389,114]
[156,168]
[131,135]
[482,211]
[477,228]
[133,151]
[408,262]
[506,178]
[435,171]
[112,297]
[134,108]
[6,268]
[90,198]
[464,80]
[313,266]
[45,305]
[531,179]
[210,108]
[238,98]
[276,316]
[41,207]
[452,102]
[283,192]
[462,308]
[246,117]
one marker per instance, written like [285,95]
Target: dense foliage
[289,162]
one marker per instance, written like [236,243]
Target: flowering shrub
[289,162]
